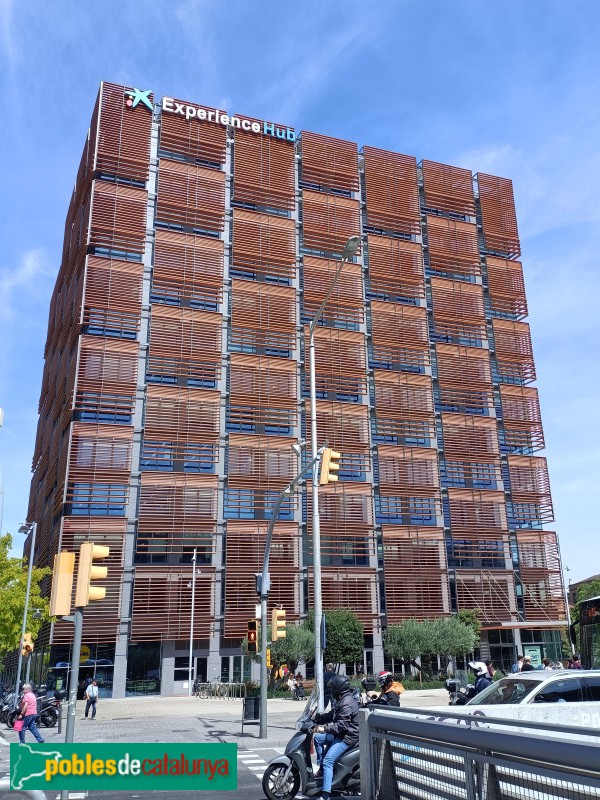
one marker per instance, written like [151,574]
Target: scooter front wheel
[276,786]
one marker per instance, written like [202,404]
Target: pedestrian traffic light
[329,466]
[62,584]
[277,624]
[86,572]
[252,636]
[27,645]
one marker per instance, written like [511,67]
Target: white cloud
[16,283]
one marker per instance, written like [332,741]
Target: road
[182,719]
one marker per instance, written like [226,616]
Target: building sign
[190,112]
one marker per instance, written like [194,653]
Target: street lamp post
[25,529]
[349,251]
[191,656]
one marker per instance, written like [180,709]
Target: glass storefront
[143,669]
[96,661]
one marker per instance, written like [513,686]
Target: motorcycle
[48,708]
[459,695]
[290,774]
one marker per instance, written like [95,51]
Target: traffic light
[252,636]
[329,466]
[62,584]
[27,645]
[277,624]
[269,662]
[86,572]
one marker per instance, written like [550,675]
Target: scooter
[459,695]
[290,774]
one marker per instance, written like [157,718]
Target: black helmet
[338,686]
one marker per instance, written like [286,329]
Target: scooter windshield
[310,708]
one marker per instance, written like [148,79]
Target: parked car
[542,686]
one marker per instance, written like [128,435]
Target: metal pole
[265,585]
[28,668]
[73,683]
[349,250]
[24,625]
[190,665]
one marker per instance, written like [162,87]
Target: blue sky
[510,88]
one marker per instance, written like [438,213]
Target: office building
[198,246]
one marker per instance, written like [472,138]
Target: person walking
[527,665]
[490,668]
[28,713]
[91,696]
[575,662]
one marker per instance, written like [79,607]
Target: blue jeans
[29,724]
[336,749]
[322,742]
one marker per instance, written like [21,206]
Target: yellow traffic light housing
[329,466]
[277,624]
[269,662]
[62,584]
[87,572]
[26,645]
[252,635]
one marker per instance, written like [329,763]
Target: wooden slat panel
[392,191]
[498,215]
[355,589]
[244,545]
[107,365]
[408,471]
[263,392]
[340,362]
[123,147]
[492,593]
[263,244]
[113,295]
[328,221]
[448,188]
[118,220]
[514,353]
[465,377]
[263,317]
[329,162]
[530,490]
[346,303]
[162,603]
[458,311]
[265,464]
[346,428]
[188,269]
[452,246]
[541,573]
[400,336]
[395,268]
[507,288]
[190,196]
[415,571]
[404,407]
[182,415]
[479,513]
[264,170]
[196,139]
[522,418]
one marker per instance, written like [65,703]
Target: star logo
[136,97]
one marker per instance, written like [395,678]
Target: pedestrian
[490,668]
[28,713]
[527,665]
[575,662]
[327,676]
[518,665]
[547,664]
[91,696]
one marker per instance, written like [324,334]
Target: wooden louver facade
[176,382]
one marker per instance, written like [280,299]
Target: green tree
[13,586]
[409,640]
[298,645]
[588,590]
[471,617]
[345,640]
[453,637]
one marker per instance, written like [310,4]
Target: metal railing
[410,757]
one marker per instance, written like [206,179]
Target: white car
[542,686]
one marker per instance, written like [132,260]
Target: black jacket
[342,720]
[391,697]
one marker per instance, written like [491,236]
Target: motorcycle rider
[337,731]
[482,674]
[390,690]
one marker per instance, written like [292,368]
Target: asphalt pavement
[183,719]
